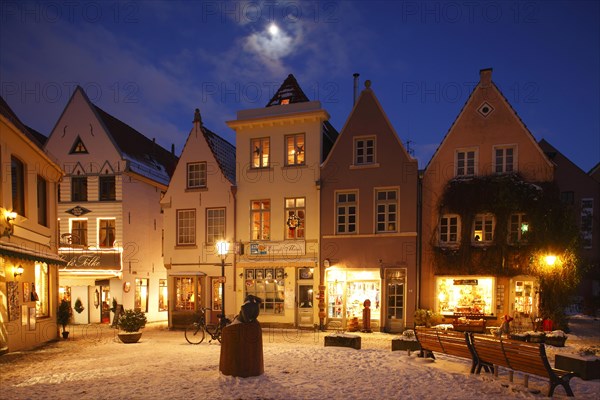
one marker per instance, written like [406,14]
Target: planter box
[343,340]
[557,341]
[583,368]
[522,338]
[536,338]
[400,344]
[130,337]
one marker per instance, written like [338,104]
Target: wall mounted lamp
[9,228]
[18,271]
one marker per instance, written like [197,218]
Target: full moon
[273,29]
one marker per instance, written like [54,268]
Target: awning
[26,254]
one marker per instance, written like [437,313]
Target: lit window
[483,228]
[295,218]
[267,284]
[294,149]
[260,152]
[518,228]
[449,229]
[106,232]
[186,227]
[215,224]
[141,295]
[196,175]
[41,290]
[260,219]
[346,212]
[504,160]
[187,295]
[78,188]
[466,163]
[163,295]
[387,210]
[78,147]
[364,151]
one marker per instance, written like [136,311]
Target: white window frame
[259,157]
[462,170]
[361,143]
[347,206]
[296,152]
[196,175]
[516,232]
[263,232]
[295,206]
[487,223]
[215,224]
[445,227]
[501,166]
[186,215]
[383,208]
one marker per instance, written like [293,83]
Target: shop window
[471,295]
[449,229]
[196,175]
[187,294]
[64,293]
[186,227]
[348,290]
[106,232]
[504,159]
[215,225]
[40,290]
[267,284]
[465,162]
[518,228]
[163,298]
[364,151]
[260,152]
[17,175]
[294,147]
[217,294]
[79,232]
[387,210]
[524,297]
[295,217]
[107,188]
[141,295]
[587,221]
[346,212]
[78,188]
[260,217]
[483,228]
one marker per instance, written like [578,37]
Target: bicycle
[195,332]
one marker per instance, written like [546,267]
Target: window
[106,232]
[141,295]
[346,212]
[215,224]
[17,174]
[567,197]
[79,232]
[449,229]
[260,217]
[217,294]
[587,214]
[163,295]
[42,201]
[107,188]
[294,145]
[387,210]
[260,152]
[78,147]
[518,228]
[187,293]
[186,227]
[196,175]
[364,151]
[78,188]
[483,228]
[267,284]
[41,288]
[504,158]
[294,218]
[465,163]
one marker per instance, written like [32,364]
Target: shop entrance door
[395,296]
[305,305]
[106,304]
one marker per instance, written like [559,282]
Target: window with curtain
[106,232]
[42,289]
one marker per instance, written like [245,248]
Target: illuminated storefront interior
[347,290]
[465,294]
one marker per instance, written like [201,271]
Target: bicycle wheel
[194,333]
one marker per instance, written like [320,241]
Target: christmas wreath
[293,221]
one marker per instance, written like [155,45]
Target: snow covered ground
[93,364]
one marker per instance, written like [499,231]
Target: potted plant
[131,321]
[63,316]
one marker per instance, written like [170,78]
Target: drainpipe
[419,233]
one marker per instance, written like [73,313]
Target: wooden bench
[519,356]
[453,343]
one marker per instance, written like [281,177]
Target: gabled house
[279,150]
[481,196]
[581,192]
[29,258]
[109,215]
[369,222]
[199,211]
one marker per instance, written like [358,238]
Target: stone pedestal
[242,350]
[343,340]
[583,368]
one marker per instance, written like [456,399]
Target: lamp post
[222,249]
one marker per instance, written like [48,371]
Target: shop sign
[466,282]
[282,249]
[93,260]
[78,211]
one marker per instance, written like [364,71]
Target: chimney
[197,117]
[173,148]
[355,75]
[485,77]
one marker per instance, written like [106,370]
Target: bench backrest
[448,342]
[514,354]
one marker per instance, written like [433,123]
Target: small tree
[64,314]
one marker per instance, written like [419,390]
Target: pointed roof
[552,153]
[222,150]
[289,92]
[9,114]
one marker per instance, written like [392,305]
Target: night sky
[151,63]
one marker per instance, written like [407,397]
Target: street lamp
[222,249]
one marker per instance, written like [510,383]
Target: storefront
[191,292]
[347,290]
[466,294]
